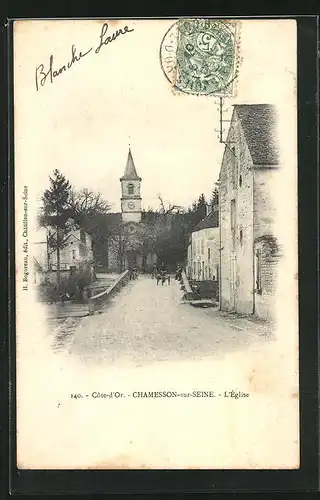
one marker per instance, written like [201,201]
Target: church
[130,193]
[130,242]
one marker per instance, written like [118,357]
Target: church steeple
[130,172]
[130,187]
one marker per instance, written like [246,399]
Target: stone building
[126,246]
[76,254]
[250,248]
[130,190]
[203,249]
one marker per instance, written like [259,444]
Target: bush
[70,287]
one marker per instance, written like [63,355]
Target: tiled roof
[259,125]
[211,220]
[130,172]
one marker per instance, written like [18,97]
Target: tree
[148,239]
[202,206]
[56,213]
[197,211]
[172,242]
[126,238]
[170,208]
[214,201]
[90,211]
[86,203]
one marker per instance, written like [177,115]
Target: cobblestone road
[146,323]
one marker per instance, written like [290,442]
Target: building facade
[76,253]
[250,248]
[203,249]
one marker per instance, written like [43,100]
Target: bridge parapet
[97,301]
[185,286]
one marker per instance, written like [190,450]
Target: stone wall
[236,288]
[264,203]
[251,191]
[265,293]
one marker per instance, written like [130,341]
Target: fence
[97,301]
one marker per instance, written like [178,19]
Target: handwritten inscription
[48,74]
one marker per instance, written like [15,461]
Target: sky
[82,122]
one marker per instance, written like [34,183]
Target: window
[208,254]
[240,180]
[73,254]
[241,236]
[258,271]
[234,167]
[202,247]
[130,188]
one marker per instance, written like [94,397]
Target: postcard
[155,165]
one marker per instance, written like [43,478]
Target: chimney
[208,209]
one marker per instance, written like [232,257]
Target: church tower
[130,192]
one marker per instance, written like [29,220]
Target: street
[147,322]
[146,339]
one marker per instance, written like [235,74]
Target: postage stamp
[199,56]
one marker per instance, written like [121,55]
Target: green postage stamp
[199,56]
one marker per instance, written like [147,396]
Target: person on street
[154,271]
[159,277]
[163,267]
[163,277]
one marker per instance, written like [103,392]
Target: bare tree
[171,208]
[125,240]
[162,207]
[87,202]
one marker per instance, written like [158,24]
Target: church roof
[130,173]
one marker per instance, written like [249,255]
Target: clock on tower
[130,190]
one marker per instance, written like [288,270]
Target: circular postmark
[198,56]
